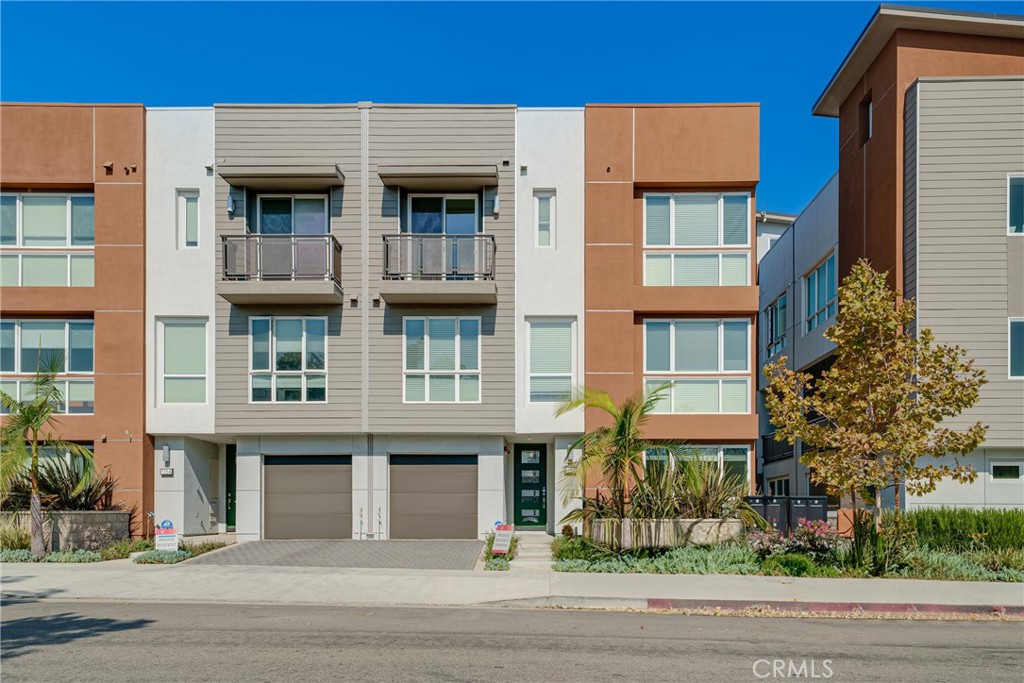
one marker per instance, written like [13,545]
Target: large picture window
[183,358]
[68,346]
[551,360]
[704,363]
[292,215]
[731,460]
[442,360]
[288,360]
[820,293]
[46,240]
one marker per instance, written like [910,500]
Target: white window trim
[721,348]
[67,246]
[673,252]
[293,197]
[1009,177]
[457,373]
[1005,482]
[69,256]
[274,373]
[553,221]
[672,222]
[719,459]
[1009,350]
[773,480]
[771,319]
[810,315]
[18,370]
[181,217]
[572,362]
[160,352]
[477,222]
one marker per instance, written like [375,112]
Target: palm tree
[617,450]
[28,427]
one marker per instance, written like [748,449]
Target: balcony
[773,451]
[280,269]
[439,269]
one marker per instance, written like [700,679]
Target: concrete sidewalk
[122,580]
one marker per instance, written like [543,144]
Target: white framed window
[25,345]
[704,363]
[778,486]
[820,293]
[550,359]
[1015,204]
[545,213]
[441,360]
[732,460]
[182,357]
[775,325]
[47,240]
[686,236]
[1006,471]
[443,214]
[291,214]
[187,207]
[1015,348]
[288,359]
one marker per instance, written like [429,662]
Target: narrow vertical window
[1015,208]
[188,218]
[550,361]
[1016,351]
[184,361]
[866,119]
[545,210]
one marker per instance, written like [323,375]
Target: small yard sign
[166,538]
[502,539]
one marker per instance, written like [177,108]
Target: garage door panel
[435,479]
[310,504]
[433,497]
[304,479]
[309,526]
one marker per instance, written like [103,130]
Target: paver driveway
[359,554]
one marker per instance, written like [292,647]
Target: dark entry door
[531,485]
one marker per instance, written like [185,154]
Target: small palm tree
[28,427]
[616,450]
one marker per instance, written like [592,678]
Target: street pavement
[81,641]
[192,582]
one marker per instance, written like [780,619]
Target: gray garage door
[433,496]
[307,496]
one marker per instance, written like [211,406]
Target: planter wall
[74,529]
[663,533]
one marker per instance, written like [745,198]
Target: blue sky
[527,53]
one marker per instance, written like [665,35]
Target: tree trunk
[878,508]
[36,513]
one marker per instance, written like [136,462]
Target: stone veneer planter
[663,533]
[76,529]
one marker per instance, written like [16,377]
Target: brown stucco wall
[871,175]
[631,149]
[56,147]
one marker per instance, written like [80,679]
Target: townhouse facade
[72,268]
[929,189]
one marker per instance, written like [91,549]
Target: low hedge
[967,529]
[162,557]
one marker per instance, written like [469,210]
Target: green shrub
[496,564]
[790,564]
[119,550]
[162,557]
[71,557]
[13,537]
[17,555]
[729,558]
[579,548]
[568,531]
[198,549]
[968,529]
[61,487]
[513,547]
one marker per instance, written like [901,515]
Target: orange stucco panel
[46,145]
[609,143]
[609,213]
[120,141]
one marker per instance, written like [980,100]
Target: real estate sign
[166,536]
[502,539]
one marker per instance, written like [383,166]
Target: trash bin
[776,511]
[755,502]
[811,508]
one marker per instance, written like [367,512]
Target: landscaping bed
[928,544]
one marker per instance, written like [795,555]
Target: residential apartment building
[671,294]
[929,189]
[72,275]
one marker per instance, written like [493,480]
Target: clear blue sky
[528,53]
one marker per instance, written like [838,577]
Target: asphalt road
[108,642]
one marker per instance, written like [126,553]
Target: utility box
[811,508]
[755,502]
[776,511]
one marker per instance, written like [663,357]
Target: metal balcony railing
[439,257]
[772,450]
[281,258]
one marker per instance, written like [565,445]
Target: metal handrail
[410,256]
[259,258]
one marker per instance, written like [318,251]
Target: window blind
[696,220]
[696,346]
[551,347]
[657,220]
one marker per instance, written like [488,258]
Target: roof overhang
[890,18]
[282,176]
[439,177]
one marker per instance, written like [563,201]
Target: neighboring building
[770,227]
[671,296]
[72,272]
[930,152]
[797,271]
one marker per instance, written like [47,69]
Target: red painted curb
[785,606]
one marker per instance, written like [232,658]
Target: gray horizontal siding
[971,135]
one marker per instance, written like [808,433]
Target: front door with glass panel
[443,244]
[303,219]
[530,484]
